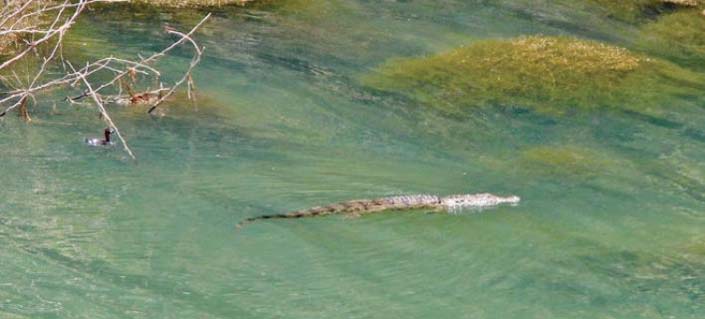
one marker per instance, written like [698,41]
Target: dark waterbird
[105,141]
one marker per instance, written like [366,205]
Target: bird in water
[105,141]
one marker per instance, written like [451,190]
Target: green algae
[193,3]
[650,272]
[306,11]
[629,10]
[551,75]
[696,250]
[564,161]
[677,37]
[640,10]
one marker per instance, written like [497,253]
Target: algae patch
[638,10]
[679,37]
[548,74]
[193,3]
[626,10]
[549,160]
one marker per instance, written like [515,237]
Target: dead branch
[104,112]
[187,76]
[16,20]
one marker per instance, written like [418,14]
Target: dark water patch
[653,120]
[695,134]
[293,63]
[680,182]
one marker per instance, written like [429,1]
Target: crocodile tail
[256,218]
[316,211]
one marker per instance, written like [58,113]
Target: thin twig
[21,21]
[104,112]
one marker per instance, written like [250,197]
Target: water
[283,123]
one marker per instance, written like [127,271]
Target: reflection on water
[610,224]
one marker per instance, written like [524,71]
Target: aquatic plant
[306,10]
[636,10]
[563,160]
[548,74]
[685,3]
[677,37]
[193,3]
[629,10]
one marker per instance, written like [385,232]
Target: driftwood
[35,25]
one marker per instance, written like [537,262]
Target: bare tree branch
[16,21]
[104,112]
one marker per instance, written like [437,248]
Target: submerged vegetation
[635,10]
[671,29]
[678,37]
[564,161]
[628,10]
[548,74]
[192,3]
[555,75]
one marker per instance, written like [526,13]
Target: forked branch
[16,21]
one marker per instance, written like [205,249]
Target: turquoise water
[283,123]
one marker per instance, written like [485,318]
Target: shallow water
[283,123]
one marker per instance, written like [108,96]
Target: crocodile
[355,208]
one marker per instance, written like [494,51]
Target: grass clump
[548,74]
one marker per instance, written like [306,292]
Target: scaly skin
[411,202]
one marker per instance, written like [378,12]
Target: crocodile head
[477,201]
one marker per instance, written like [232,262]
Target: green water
[283,123]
